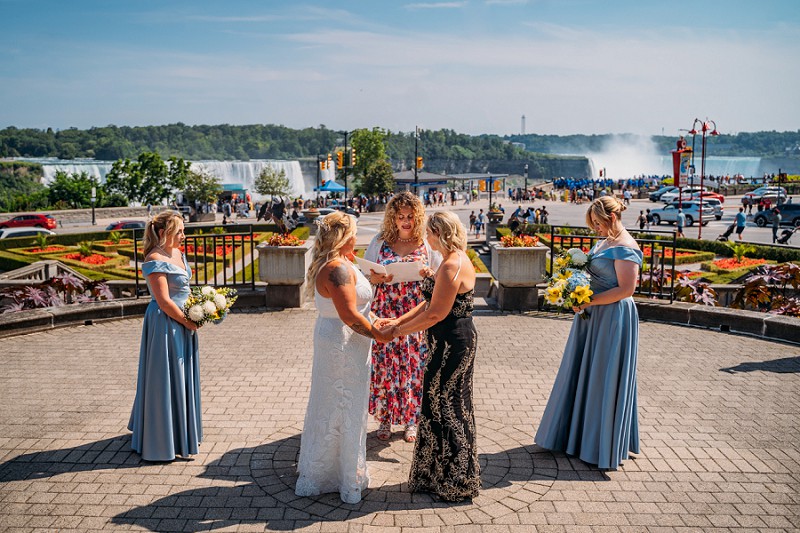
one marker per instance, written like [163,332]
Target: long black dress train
[446,454]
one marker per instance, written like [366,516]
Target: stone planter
[311,216]
[203,217]
[517,271]
[284,269]
[495,216]
[518,267]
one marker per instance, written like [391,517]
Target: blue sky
[474,66]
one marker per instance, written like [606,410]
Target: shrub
[60,290]
[773,289]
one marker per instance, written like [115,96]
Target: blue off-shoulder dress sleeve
[166,415]
[591,412]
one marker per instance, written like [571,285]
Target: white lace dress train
[334,441]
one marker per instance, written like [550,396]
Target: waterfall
[241,173]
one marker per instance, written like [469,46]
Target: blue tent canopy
[330,186]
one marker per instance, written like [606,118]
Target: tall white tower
[523,125]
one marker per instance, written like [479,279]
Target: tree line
[226,142]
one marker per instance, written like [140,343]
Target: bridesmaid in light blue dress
[165,419]
[591,413]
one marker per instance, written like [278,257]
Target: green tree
[148,180]
[370,149]
[379,178]
[202,186]
[74,190]
[271,182]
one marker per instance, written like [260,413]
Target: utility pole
[416,155]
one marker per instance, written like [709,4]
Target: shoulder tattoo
[339,276]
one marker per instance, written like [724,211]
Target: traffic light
[419,162]
[330,161]
[339,160]
[323,165]
[353,157]
[601,172]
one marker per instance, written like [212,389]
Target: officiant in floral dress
[398,366]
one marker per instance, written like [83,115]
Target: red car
[38,221]
[709,194]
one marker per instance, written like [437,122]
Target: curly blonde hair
[166,221]
[389,231]
[449,229]
[600,211]
[335,229]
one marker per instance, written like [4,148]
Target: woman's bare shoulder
[337,273]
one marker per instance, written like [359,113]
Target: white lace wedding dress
[334,440]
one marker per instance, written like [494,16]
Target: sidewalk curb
[762,325]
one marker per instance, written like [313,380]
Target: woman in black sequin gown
[445,455]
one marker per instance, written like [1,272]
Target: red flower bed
[94,259]
[646,250]
[732,264]
[122,242]
[47,250]
[190,249]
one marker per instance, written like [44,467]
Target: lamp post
[490,186]
[319,170]
[525,191]
[94,199]
[416,156]
[707,127]
[346,159]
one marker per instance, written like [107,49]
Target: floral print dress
[398,366]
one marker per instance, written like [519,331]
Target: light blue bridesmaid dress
[166,411]
[591,412]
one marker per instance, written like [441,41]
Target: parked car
[37,220]
[790,216]
[669,213]
[768,191]
[126,224]
[705,195]
[671,196]
[11,233]
[717,205]
[341,207]
[656,195]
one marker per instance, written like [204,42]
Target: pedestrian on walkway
[776,223]
[641,220]
[166,415]
[741,222]
[649,218]
[680,222]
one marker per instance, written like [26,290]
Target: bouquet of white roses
[207,304]
[568,285]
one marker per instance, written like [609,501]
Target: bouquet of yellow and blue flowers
[207,304]
[568,285]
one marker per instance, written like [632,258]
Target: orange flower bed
[732,264]
[47,250]
[122,242]
[94,259]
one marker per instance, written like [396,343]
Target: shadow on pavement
[786,365]
[107,454]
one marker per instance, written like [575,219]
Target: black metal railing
[657,280]
[218,259]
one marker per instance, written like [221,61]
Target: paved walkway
[718,415]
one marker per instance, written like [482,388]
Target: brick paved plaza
[719,419]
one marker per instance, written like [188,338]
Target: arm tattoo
[339,276]
[361,330]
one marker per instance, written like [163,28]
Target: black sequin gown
[446,455]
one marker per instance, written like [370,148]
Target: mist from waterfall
[626,156]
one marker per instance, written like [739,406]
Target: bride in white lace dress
[333,444]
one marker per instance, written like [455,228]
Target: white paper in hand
[402,271]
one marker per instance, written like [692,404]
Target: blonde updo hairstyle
[389,231]
[334,230]
[159,229]
[600,211]
[449,230]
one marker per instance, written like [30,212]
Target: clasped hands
[387,328]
